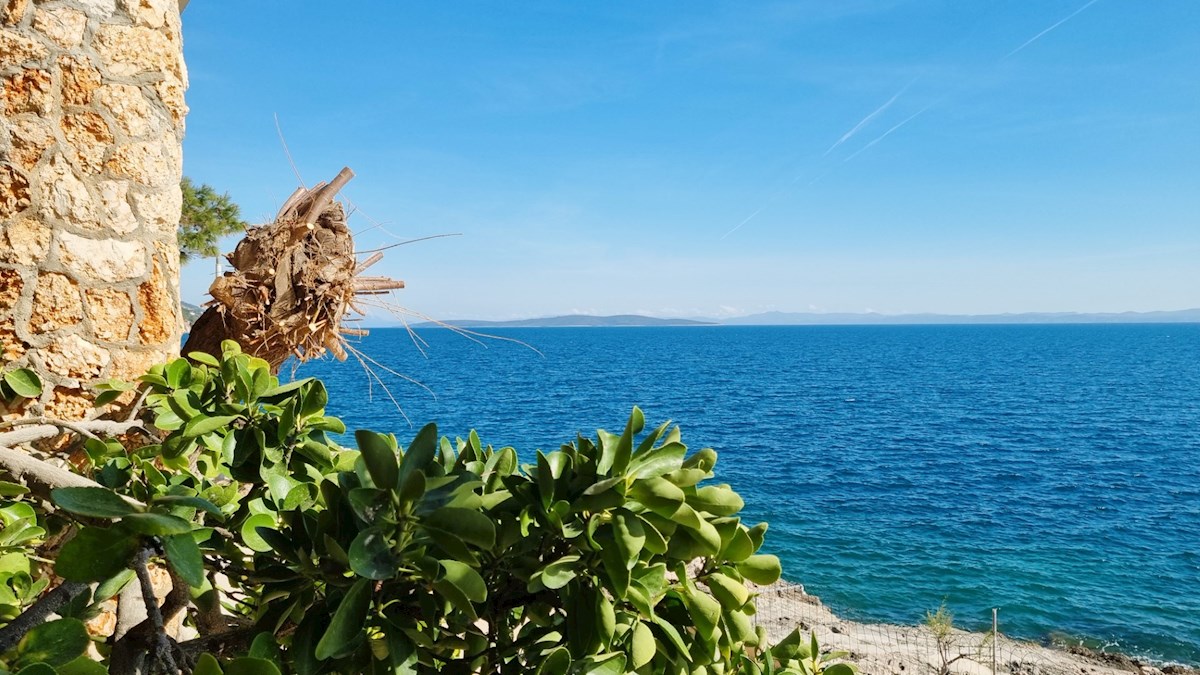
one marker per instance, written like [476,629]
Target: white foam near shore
[887,649]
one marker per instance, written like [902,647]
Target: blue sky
[719,159]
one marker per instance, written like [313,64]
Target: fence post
[995,638]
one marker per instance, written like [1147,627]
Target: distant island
[832,319]
[572,321]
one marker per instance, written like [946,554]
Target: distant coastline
[830,319]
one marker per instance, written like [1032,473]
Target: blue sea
[1050,471]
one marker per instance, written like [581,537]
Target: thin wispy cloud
[1060,22]
[867,120]
[887,133]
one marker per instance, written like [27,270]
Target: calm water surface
[1050,471]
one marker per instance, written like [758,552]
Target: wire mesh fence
[927,649]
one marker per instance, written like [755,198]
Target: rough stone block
[158,209]
[64,26]
[30,137]
[79,80]
[132,111]
[27,92]
[67,403]
[17,49]
[155,163]
[72,356]
[23,241]
[105,260]
[87,139]
[65,196]
[160,313]
[14,192]
[127,364]
[56,303]
[149,13]
[12,11]
[116,214]
[132,50]
[170,92]
[111,312]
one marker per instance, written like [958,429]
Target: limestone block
[17,49]
[116,213]
[62,25]
[87,138]
[27,91]
[160,314]
[14,192]
[101,8]
[79,81]
[30,137]
[150,13]
[13,11]
[128,364]
[73,357]
[132,50]
[11,347]
[23,241]
[10,289]
[102,259]
[155,163]
[56,303]
[170,92]
[133,112]
[159,209]
[69,404]
[65,196]
[111,311]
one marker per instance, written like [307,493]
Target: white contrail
[867,120]
[748,219]
[887,133]
[1035,38]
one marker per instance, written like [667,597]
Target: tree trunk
[91,125]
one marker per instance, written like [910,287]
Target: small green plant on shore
[795,655]
[289,553]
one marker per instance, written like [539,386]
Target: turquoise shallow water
[1050,471]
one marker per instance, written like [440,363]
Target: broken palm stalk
[292,285]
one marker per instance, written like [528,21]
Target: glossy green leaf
[732,594]
[761,569]
[112,585]
[192,502]
[156,523]
[658,495]
[251,537]
[198,426]
[461,585]
[629,535]
[83,666]
[207,665]
[95,554]
[718,500]
[469,525]
[53,643]
[96,502]
[420,453]
[24,382]
[379,454]
[705,611]
[346,629]
[8,489]
[184,556]
[247,665]
[558,573]
[642,646]
[371,555]
[557,662]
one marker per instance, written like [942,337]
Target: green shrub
[609,555]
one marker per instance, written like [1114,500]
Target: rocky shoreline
[887,649]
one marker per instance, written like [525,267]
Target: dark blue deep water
[1050,471]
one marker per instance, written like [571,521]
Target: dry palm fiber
[293,283]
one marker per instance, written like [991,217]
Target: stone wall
[91,125]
